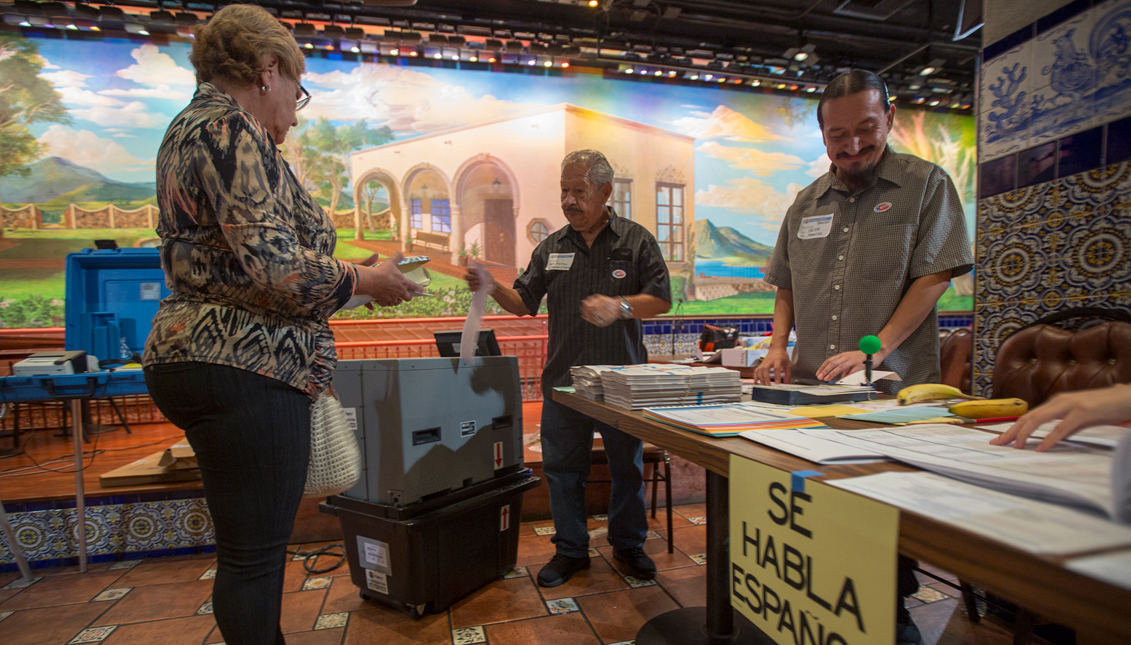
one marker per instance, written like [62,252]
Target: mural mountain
[715,243]
[54,176]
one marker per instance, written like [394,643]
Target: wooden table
[1098,611]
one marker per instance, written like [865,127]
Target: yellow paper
[814,565]
[815,411]
[937,420]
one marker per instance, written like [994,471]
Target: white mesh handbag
[335,459]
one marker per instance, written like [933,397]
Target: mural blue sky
[753,151]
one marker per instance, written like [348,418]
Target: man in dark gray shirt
[868,248]
[602,275]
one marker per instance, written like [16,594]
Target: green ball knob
[870,344]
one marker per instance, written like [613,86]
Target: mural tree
[25,99]
[340,142]
[370,192]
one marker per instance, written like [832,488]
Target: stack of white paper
[587,380]
[1026,524]
[643,386]
[1104,436]
[1067,474]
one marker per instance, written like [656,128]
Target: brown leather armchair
[1038,361]
[955,350]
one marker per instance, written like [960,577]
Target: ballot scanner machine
[434,516]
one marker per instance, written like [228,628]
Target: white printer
[51,364]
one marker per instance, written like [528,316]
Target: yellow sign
[811,564]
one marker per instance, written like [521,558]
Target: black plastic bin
[426,563]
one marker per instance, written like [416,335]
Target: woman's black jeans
[251,435]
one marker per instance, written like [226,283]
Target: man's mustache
[843,155]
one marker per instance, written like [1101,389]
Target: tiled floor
[166,601]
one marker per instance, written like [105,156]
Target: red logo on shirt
[883,207]
[619,273]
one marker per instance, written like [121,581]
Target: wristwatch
[625,308]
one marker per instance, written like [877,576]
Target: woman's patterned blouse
[246,252]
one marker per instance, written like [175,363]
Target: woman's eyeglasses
[301,103]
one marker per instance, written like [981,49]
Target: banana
[929,392]
[990,408]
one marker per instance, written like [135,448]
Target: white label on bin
[373,554]
[466,428]
[351,418]
[504,518]
[377,581]
[150,290]
[456,347]
[498,455]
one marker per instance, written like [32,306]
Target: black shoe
[906,633]
[638,562]
[560,569]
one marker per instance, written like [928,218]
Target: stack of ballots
[587,380]
[641,386]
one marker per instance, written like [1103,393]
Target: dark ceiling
[926,49]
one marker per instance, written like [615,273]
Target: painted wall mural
[452,163]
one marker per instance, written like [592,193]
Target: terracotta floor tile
[526,529]
[51,625]
[566,629]
[5,578]
[343,595]
[657,550]
[301,610]
[214,636]
[181,631]
[392,627]
[7,594]
[158,602]
[661,519]
[294,576]
[52,591]
[157,571]
[535,551]
[688,586]
[598,578]
[692,540]
[320,637]
[62,571]
[692,510]
[500,601]
[618,616]
[540,524]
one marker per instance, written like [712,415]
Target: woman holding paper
[242,345]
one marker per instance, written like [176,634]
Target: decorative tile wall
[1054,214]
[116,528]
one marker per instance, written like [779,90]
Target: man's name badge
[563,261]
[815,226]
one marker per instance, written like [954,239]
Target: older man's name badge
[815,226]
[560,262]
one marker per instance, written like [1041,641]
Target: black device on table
[715,338]
[448,343]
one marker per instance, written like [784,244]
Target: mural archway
[363,198]
[487,195]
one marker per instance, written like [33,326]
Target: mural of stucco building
[1054,209]
[496,183]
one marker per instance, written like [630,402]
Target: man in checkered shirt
[868,248]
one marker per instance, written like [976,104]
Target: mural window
[669,220]
[538,230]
[621,199]
[441,216]
[415,215]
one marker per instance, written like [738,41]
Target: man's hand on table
[775,368]
[845,363]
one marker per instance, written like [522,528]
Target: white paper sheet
[1030,525]
[857,378]
[818,446]
[1114,568]
[1103,436]
[1067,474]
[469,339]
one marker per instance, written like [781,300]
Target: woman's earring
[264,90]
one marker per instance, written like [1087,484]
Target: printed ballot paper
[1029,525]
[810,563]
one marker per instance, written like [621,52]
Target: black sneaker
[638,562]
[906,633]
[560,569]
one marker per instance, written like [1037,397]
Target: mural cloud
[85,148]
[134,114]
[724,123]
[753,196]
[155,69]
[761,163]
[65,78]
[404,100]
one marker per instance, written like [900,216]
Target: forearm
[783,318]
[509,299]
[647,306]
[913,309]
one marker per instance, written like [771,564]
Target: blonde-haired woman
[242,346]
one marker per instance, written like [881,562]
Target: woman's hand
[385,283]
[1078,410]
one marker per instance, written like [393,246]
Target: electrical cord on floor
[310,557]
